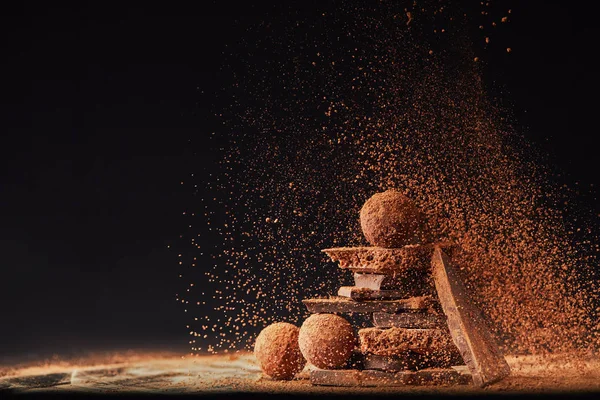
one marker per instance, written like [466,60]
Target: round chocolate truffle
[327,340]
[277,351]
[390,219]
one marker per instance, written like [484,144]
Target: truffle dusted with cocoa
[327,340]
[276,349]
[392,220]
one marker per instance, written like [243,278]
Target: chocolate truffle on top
[327,340]
[390,219]
[277,351]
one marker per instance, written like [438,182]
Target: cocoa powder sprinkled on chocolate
[385,105]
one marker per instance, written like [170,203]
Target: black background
[98,108]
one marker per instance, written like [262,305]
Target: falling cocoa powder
[366,109]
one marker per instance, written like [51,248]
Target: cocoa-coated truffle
[390,219]
[327,340]
[277,351]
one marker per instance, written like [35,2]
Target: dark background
[105,111]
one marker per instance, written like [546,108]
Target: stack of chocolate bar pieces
[424,330]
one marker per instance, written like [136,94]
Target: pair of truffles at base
[327,341]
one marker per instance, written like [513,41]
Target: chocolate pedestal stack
[425,329]
[410,342]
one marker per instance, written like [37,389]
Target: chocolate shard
[412,282]
[364,294]
[424,377]
[394,262]
[410,360]
[369,281]
[385,378]
[468,330]
[436,344]
[369,378]
[440,376]
[408,320]
[344,305]
[333,377]
[401,362]
[379,260]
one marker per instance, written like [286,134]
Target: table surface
[170,373]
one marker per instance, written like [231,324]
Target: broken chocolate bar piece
[363,294]
[468,330]
[344,305]
[370,281]
[424,377]
[393,341]
[413,282]
[408,320]
[396,262]
[379,260]
[336,377]
[367,378]
[409,360]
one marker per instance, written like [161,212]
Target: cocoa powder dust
[328,109]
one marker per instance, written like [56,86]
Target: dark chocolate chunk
[408,320]
[409,360]
[343,305]
[468,330]
[366,378]
[364,294]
